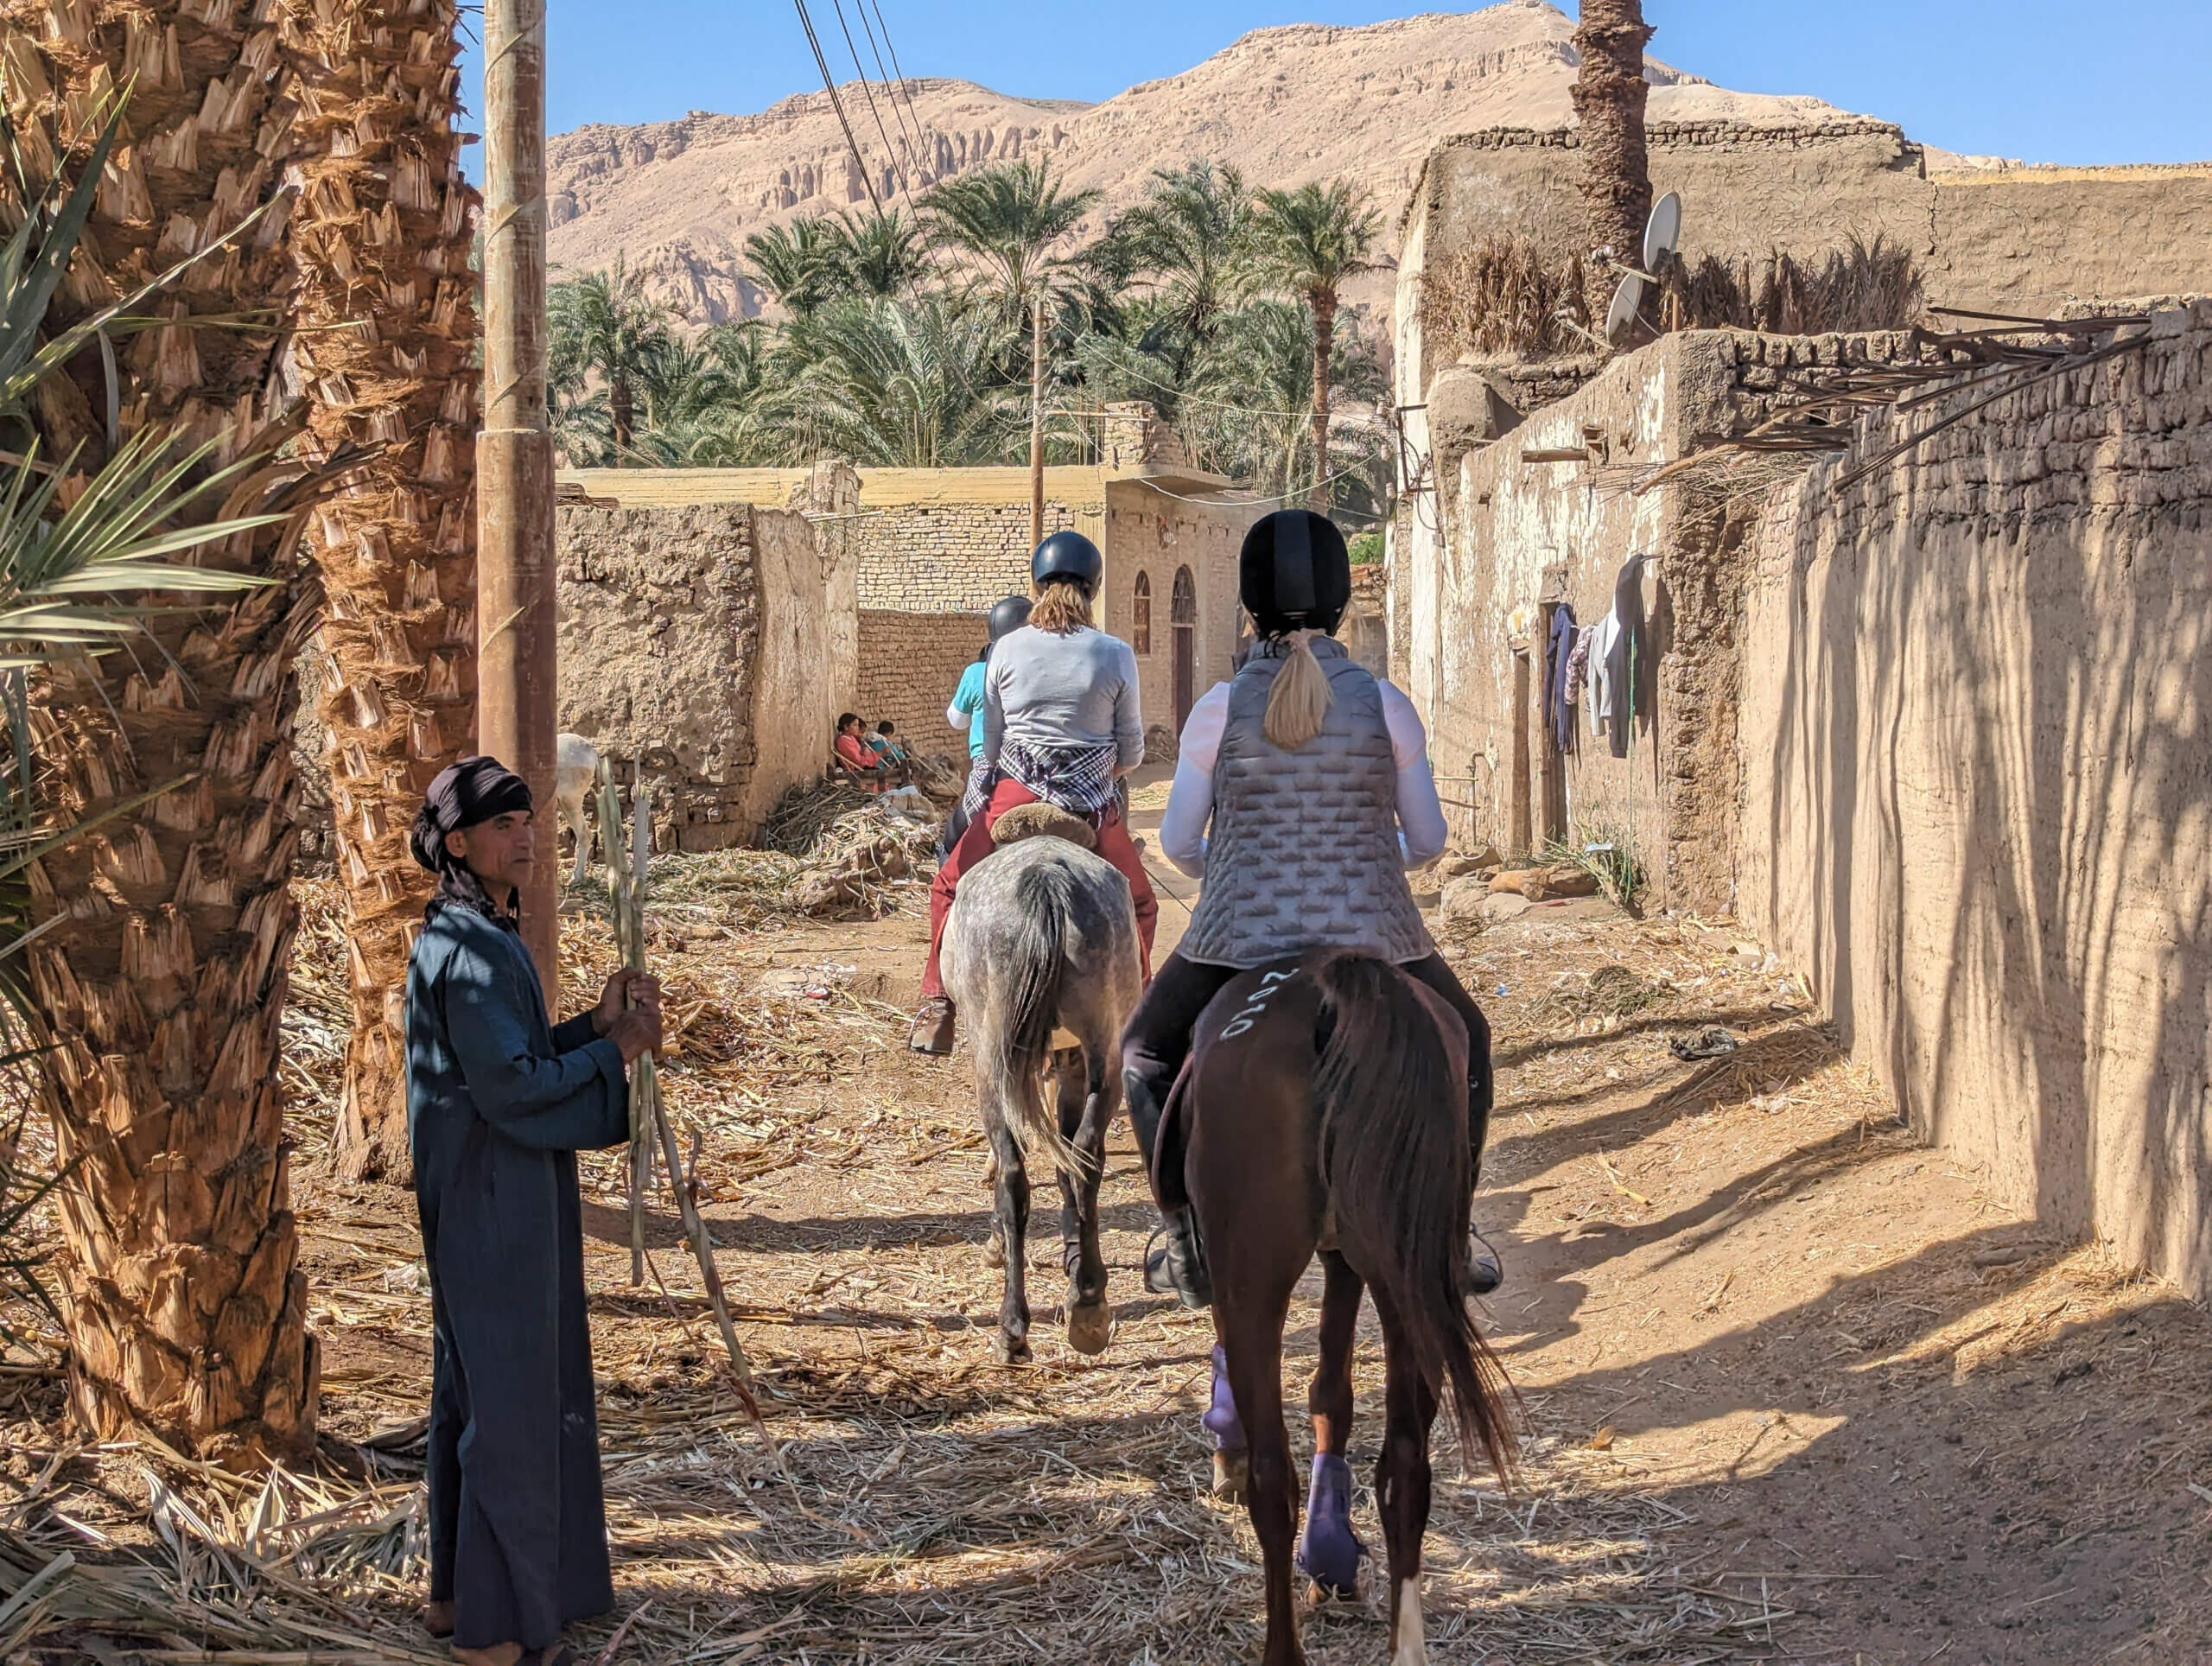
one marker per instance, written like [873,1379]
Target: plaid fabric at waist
[1079,779]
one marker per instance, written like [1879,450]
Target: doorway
[1182,625]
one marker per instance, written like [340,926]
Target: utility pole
[517,613]
[1037,420]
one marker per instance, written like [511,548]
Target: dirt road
[1793,1389]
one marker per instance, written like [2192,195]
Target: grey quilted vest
[1303,852]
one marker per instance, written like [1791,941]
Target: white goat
[575,776]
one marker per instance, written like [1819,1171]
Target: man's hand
[636,1032]
[624,990]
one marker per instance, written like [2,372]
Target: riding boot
[1487,1272]
[1177,1266]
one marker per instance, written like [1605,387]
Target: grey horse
[1040,957]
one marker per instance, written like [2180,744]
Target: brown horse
[1325,1108]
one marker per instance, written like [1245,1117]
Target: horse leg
[1251,1336]
[1401,1488]
[1083,1109]
[1329,1551]
[1011,1201]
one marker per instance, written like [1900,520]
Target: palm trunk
[1610,93]
[1325,342]
[162,980]
[382,232]
[622,407]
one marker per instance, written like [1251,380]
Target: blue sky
[2119,81]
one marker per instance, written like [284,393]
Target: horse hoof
[994,1251]
[1089,1326]
[1013,1349]
[1232,1474]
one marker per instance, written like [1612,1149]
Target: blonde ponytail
[1299,702]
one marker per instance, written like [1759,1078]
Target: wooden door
[1183,622]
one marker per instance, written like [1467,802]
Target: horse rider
[1061,723]
[1314,777]
[966,712]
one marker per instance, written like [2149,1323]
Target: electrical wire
[830,84]
[904,86]
[912,140]
[868,92]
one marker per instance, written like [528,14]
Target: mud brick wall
[1976,789]
[699,646]
[909,666]
[949,558]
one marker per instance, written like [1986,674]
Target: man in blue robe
[499,1100]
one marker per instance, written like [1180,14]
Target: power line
[868,92]
[912,140]
[830,84]
[904,86]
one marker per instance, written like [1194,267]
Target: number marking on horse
[1256,1008]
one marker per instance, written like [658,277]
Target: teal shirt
[969,697]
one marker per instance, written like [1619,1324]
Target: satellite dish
[1626,299]
[1663,232]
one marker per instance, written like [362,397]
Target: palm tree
[905,385]
[384,232]
[1610,92]
[798,263]
[1189,238]
[1009,222]
[879,255]
[602,325]
[158,974]
[1307,242]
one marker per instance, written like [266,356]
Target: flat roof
[1078,486]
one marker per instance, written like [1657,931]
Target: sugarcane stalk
[649,1124]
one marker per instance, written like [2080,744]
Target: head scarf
[464,794]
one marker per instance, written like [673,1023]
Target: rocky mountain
[1307,101]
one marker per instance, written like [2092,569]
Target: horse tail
[1395,1157]
[1034,947]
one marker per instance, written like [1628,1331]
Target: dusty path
[1794,1390]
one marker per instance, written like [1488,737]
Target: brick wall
[909,666]
[949,558]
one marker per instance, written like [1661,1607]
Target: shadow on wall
[1978,696]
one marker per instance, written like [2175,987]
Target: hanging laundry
[1604,633]
[1625,659]
[1578,664]
[1559,704]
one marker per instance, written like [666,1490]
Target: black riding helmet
[1068,555]
[1008,616]
[1295,573]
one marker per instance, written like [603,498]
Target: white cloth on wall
[1601,683]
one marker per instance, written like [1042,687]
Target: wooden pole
[1037,422]
[517,612]
[1517,830]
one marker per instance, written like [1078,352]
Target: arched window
[1140,615]
[1182,625]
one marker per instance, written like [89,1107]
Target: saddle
[1041,820]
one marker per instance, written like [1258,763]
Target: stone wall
[1977,794]
[909,664]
